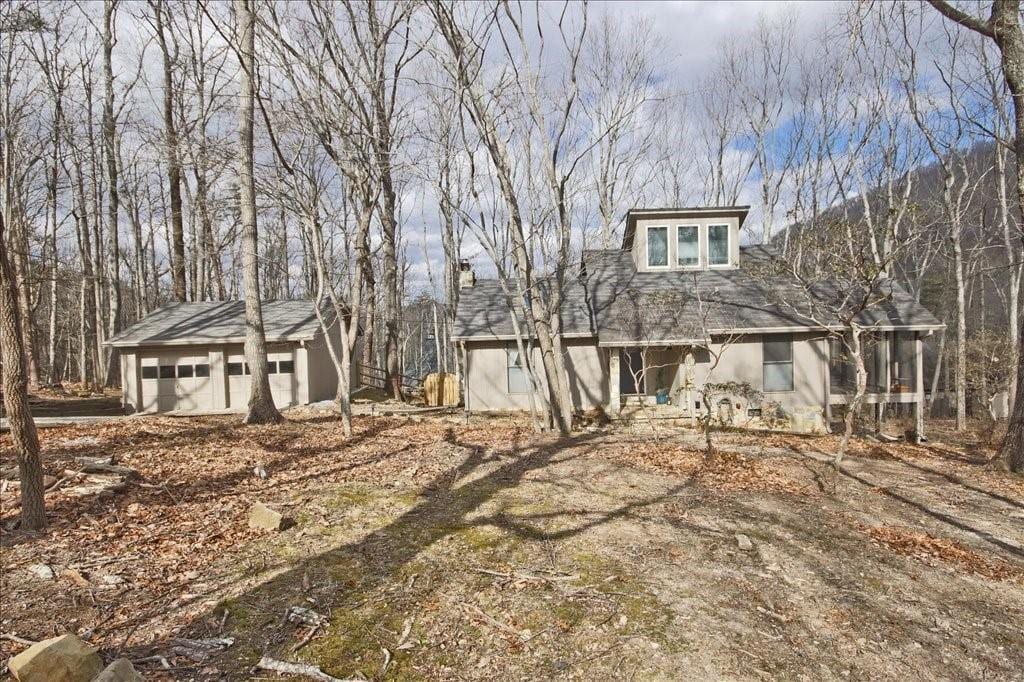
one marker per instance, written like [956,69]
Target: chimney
[466,277]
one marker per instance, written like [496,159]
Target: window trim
[791,362]
[521,366]
[694,266]
[728,245]
[647,247]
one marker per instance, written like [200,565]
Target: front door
[631,372]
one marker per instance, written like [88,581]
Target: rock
[48,480]
[120,670]
[41,571]
[112,580]
[743,542]
[263,517]
[61,659]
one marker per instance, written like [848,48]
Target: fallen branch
[17,640]
[494,622]
[304,669]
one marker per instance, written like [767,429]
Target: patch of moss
[353,495]
[353,641]
[645,615]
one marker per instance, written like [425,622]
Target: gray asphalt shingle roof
[618,304]
[219,322]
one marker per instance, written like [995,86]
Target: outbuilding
[189,357]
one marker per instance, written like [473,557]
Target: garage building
[189,357]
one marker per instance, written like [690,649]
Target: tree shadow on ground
[445,507]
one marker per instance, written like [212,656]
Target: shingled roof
[620,305]
[178,324]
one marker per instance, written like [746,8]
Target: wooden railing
[378,378]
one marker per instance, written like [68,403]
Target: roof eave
[205,341]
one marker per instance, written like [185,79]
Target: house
[188,357]
[636,320]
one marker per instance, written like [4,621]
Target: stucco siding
[588,368]
[487,375]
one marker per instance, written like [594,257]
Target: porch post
[614,399]
[919,388]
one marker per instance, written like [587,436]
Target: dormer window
[688,246]
[657,247]
[718,245]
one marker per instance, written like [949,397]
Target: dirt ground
[434,549]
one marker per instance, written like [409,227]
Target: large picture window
[657,247]
[688,245]
[778,363]
[518,382]
[718,245]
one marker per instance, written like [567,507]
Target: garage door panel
[176,381]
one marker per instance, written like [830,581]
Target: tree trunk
[113,377]
[261,403]
[173,167]
[15,385]
[961,333]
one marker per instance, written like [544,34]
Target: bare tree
[1003,26]
[261,402]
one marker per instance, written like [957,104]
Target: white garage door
[281,368]
[179,381]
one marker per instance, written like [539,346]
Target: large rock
[120,670]
[61,659]
[264,518]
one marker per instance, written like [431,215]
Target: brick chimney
[466,277]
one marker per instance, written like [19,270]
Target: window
[234,369]
[657,247]
[202,371]
[286,367]
[271,367]
[517,379]
[149,372]
[718,245]
[688,245]
[184,371]
[778,363]
[166,371]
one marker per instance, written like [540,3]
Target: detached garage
[189,357]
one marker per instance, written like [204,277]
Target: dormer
[662,239]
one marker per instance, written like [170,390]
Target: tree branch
[985,28]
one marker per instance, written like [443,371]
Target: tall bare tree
[1003,26]
[261,402]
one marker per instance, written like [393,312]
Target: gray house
[188,357]
[636,319]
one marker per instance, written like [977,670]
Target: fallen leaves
[924,546]
[136,561]
[726,471]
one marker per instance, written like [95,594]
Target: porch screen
[688,246]
[517,379]
[905,365]
[657,246]
[778,362]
